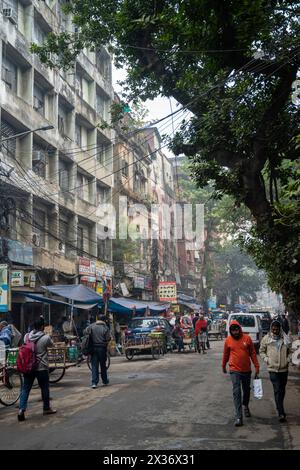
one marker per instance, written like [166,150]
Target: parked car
[145,325]
[251,325]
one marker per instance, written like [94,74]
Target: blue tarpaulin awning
[75,292]
[47,300]
[125,305]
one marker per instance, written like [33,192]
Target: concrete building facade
[56,178]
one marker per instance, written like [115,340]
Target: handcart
[61,357]
[189,339]
[144,344]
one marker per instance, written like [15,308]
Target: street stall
[65,355]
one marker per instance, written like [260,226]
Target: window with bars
[9,146]
[80,239]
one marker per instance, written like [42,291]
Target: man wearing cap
[239,351]
[275,350]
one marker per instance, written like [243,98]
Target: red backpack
[27,360]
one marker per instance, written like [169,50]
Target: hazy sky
[158,108]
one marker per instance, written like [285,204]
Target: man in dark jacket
[100,336]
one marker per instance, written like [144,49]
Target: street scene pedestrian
[275,350]
[239,351]
[201,333]
[100,336]
[38,343]
[150,226]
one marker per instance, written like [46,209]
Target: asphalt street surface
[181,402]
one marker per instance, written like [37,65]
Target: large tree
[232,64]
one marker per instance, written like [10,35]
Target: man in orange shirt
[238,350]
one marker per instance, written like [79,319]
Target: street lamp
[45,128]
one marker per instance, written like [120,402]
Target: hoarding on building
[167,291]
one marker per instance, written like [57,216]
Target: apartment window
[64,175]
[9,74]
[38,99]
[83,187]
[39,159]
[12,224]
[9,146]
[102,195]
[124,168]
[39,34]
[101,105]
[103,249]
[78,84]
[80,239]
[39,227]
[103,64]
[78,134]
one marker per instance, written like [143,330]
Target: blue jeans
[179,343]
[99,356]
[42,377]
[240,380]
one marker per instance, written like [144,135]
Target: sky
[158,108]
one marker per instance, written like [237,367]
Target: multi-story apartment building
[56,178]
[132,199]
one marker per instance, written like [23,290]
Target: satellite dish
[168,272]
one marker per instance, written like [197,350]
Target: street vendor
[67,328]
[177,334]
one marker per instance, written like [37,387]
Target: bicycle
[11,382]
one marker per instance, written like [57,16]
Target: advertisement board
[17,279]
[4,298]
[167,291]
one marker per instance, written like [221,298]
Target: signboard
[86,266]
[148,283]
[124,289]
[103,269]
[139,282]
[4,288]
[212,302]
[167,291]
[17,279]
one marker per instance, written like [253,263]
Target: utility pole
[154,268]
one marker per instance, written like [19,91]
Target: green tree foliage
[232,64]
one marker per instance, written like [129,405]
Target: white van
[251,325]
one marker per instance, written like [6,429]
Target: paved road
[179,402]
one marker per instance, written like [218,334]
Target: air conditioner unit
[36,239]
[62,248]
[38,156]
[11,15]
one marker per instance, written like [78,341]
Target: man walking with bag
[275,350]
[33,363]
[99,337]
[238,350]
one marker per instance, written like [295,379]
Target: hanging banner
[167,291]
[4,298]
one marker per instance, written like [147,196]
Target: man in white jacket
[275,350]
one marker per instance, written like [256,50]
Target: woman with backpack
[32,362]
